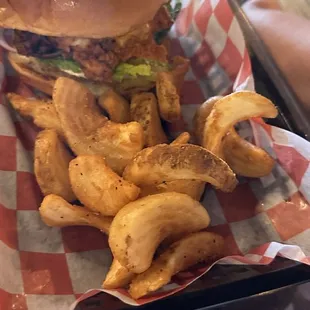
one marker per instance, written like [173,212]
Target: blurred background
[276,32]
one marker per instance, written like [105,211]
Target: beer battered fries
[57,212]
[200,118]
[139,227]
[168,97]
[98,187]
[183,138]
[118,276]
[193,249]
[192,188]
[244,158]
[134,186]
[144,110]
[163,162]
[43,113]
[168,86]
[90,133]
[116,106]
[230,110]
[51,163]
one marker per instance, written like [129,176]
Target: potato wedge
[90,133]
[183,138]
[42,113]
[244,158]
[193,249]
[51,163]
[192,188]
[139,227]
[117,277]
[57,212]
[168,97]
[116,106]
[230,110]
[180,66]
[200,118]
[144,110]
[98,187]
[168,87]
[160,163]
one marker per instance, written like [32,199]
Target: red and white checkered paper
[49,268]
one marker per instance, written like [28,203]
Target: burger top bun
[77,18]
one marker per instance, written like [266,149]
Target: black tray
[242,287]
[223,286]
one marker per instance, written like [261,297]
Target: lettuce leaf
[174,11]
[159,36]
[63,64]
[139,67]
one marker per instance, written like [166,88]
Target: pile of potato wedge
[141,191]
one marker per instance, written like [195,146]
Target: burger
[99,42]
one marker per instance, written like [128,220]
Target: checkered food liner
[50,268]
